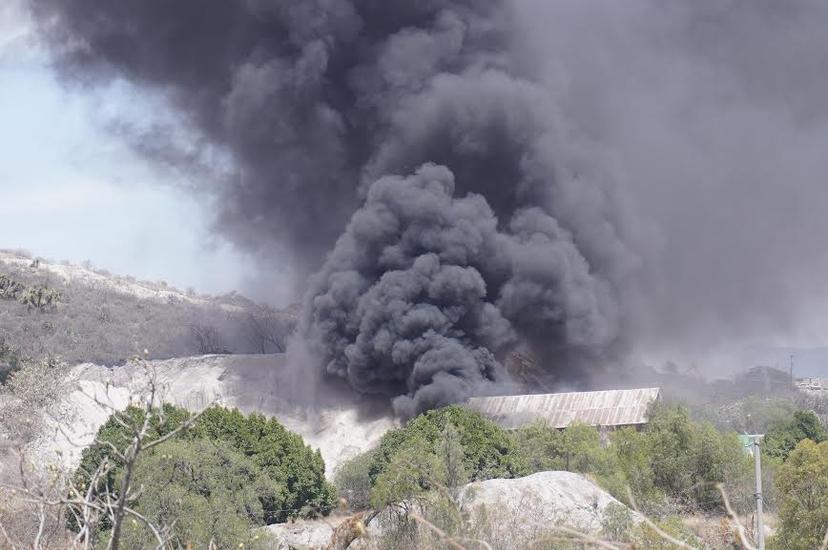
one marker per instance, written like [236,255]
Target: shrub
[688,458]
[784,434]
[204,490]
[10,360]
[672,460]
[575,449]
[9,288]
[802,483]
[635,470]
[40,298]
[414,469]
[644,536]
[617,522]
[353,481]
[488,450]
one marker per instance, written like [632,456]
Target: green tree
[450,452]
[575,449]
[281,454]
[673,457]
[488,450]
[802,484]
[203,491]
[116,434]
[688,458]
[784,435]
[413,471]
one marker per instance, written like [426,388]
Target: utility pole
[760,523]
[792,378]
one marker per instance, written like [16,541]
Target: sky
[70,190]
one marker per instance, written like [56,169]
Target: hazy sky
[71,190]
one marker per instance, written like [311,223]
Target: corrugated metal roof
[595,408]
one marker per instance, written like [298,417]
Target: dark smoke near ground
[583,179]
[424,291]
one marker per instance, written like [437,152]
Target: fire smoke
[464,177]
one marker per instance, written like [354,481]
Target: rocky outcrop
[507,513]
[539,501]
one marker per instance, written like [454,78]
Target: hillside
[78,314]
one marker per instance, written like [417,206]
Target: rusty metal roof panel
[595,408]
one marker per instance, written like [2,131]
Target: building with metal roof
[610,408]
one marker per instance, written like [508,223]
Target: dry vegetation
[45,316]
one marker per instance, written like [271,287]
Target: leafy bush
[784,434]
[617,522]
[802,482]
[672,456]
[686,458]
[488,450]
[280,454]
[576,449]
[414,469]
[205,490]
[353,481]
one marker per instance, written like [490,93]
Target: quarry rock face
[338,424]
[303,534]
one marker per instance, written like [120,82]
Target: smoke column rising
[582,178]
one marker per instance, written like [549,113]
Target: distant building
[604,409]
[818,386]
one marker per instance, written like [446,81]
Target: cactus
[9,288]
[40,298]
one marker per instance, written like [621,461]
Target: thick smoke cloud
[709,117]
[424,290]
[582,178]
[473,236]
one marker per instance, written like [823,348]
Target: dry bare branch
[735,519]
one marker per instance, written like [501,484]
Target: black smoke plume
[425,290]
[413,119]
[467,176]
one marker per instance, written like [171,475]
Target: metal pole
[792,378]
[760,524]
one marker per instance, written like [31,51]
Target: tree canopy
[282,456]
[803,482]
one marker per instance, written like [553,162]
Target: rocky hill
[78,314]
